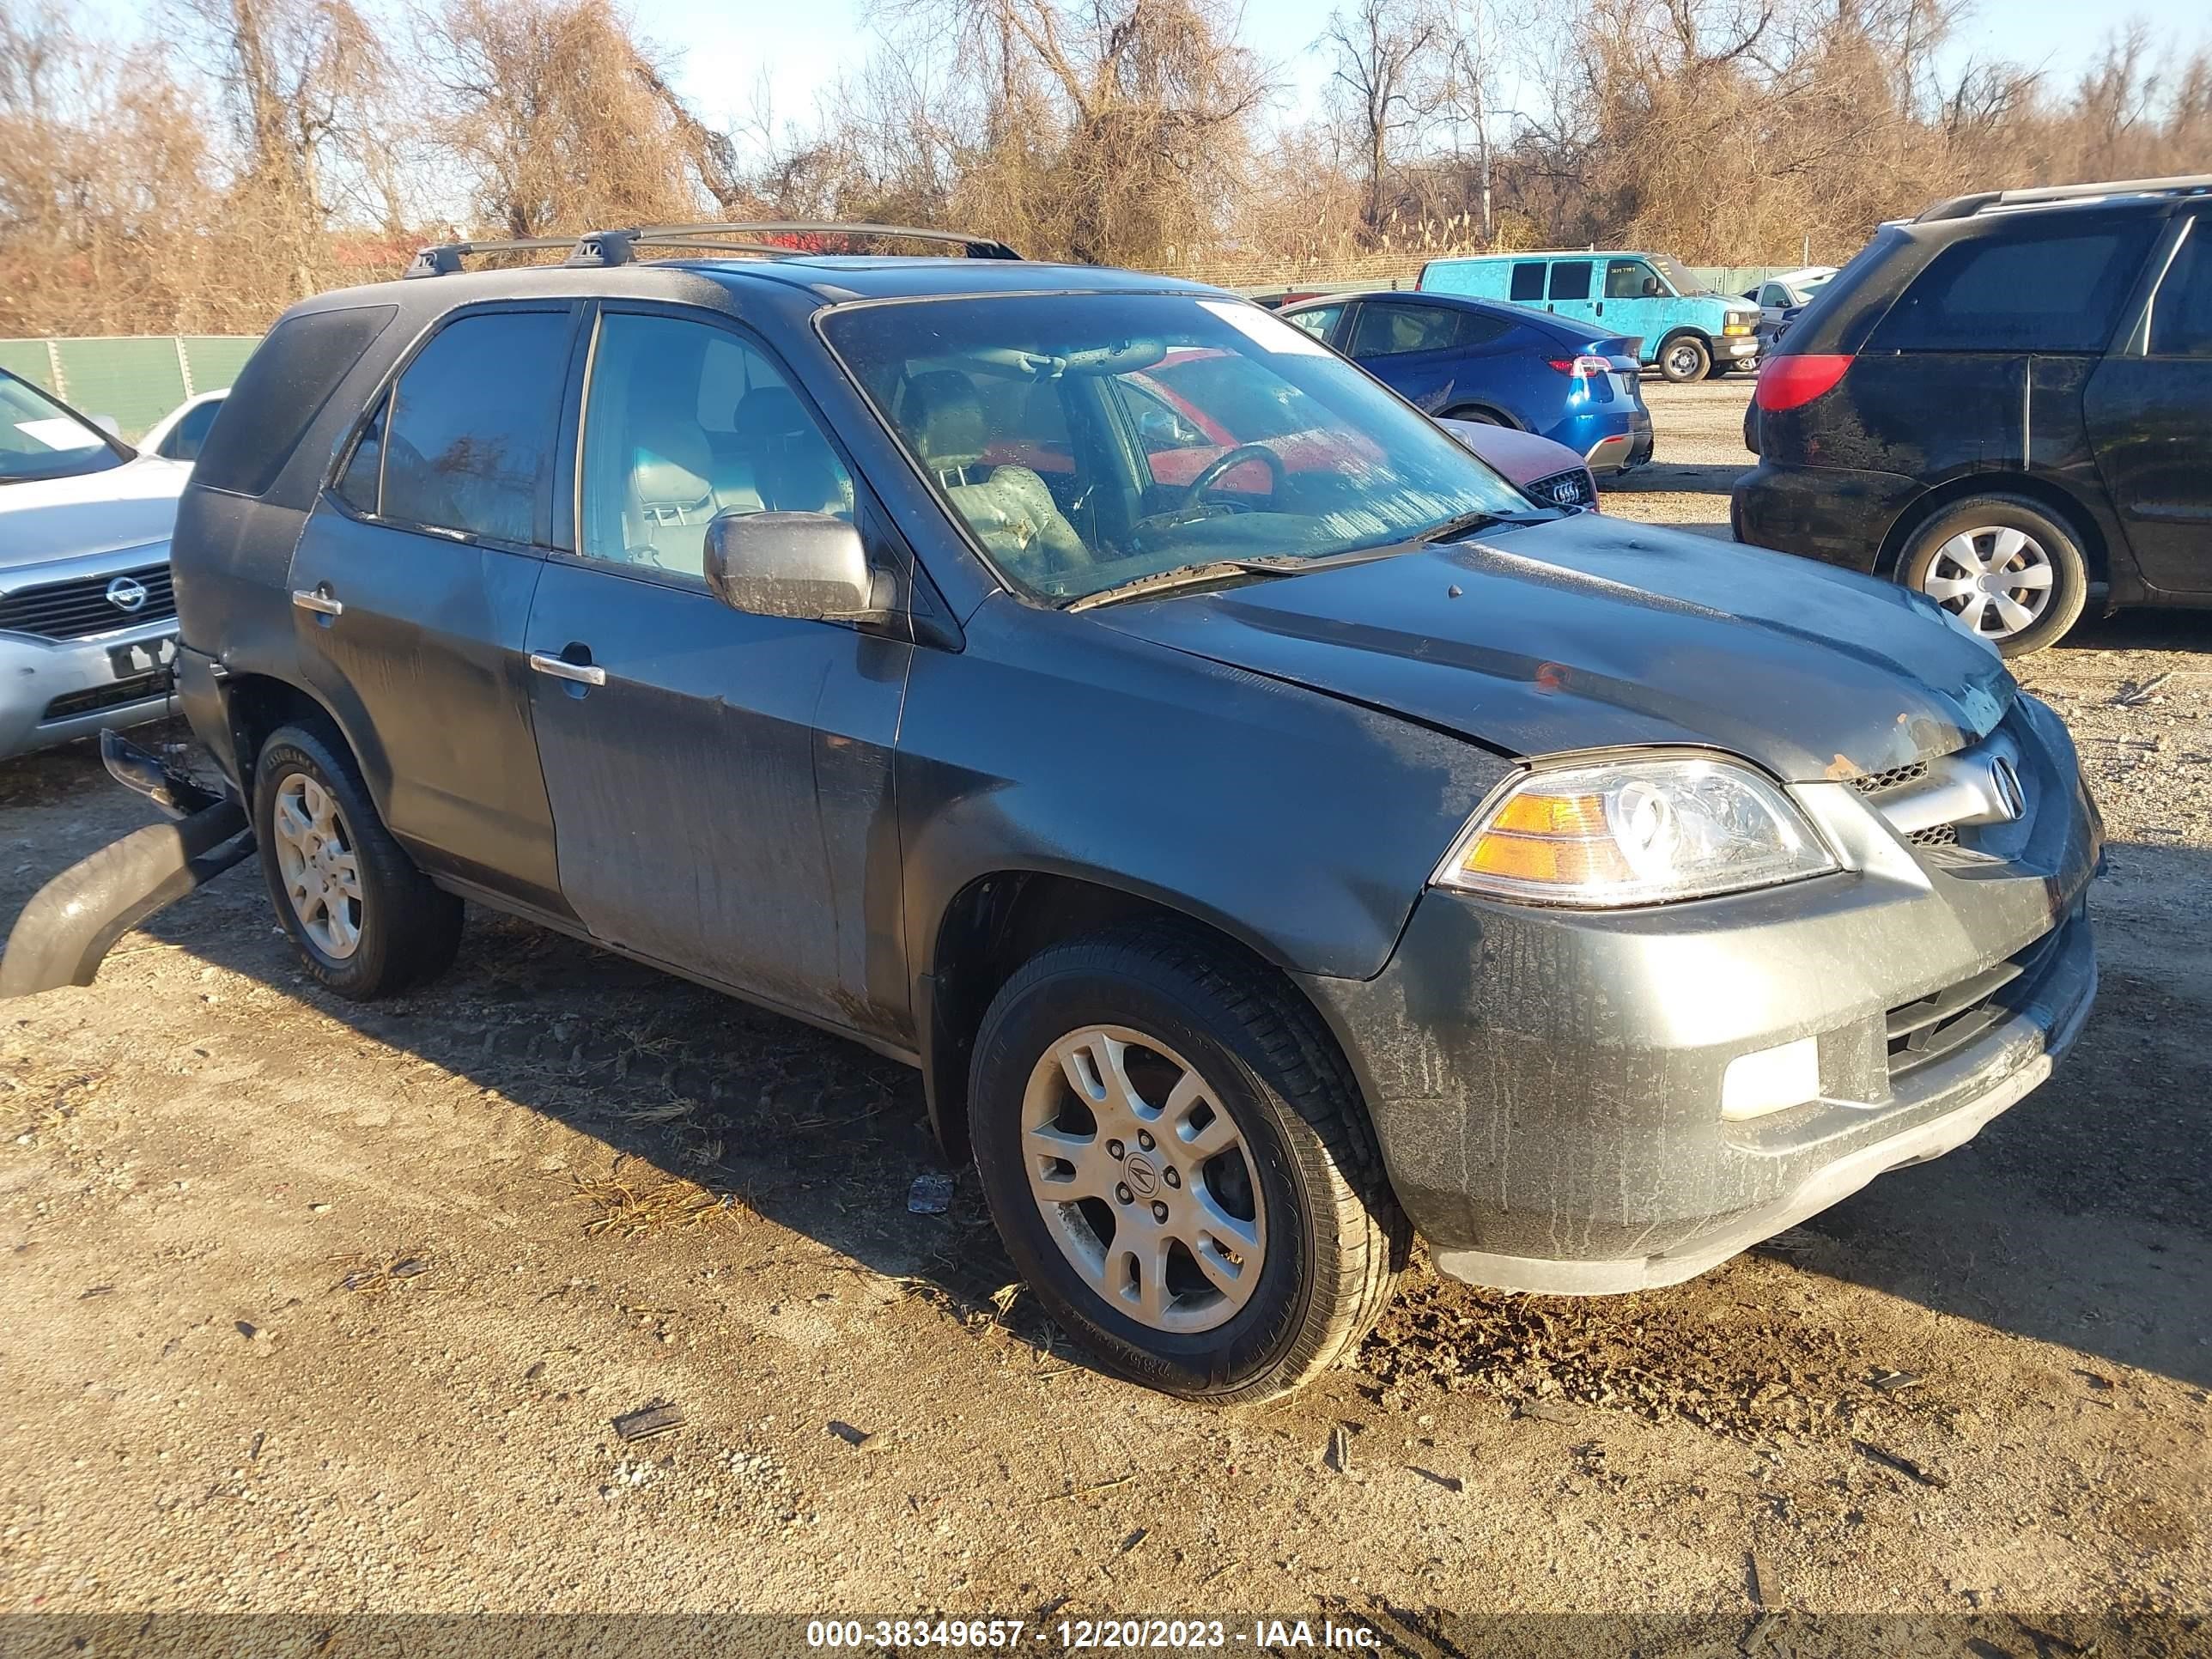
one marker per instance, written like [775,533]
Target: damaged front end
[73,921]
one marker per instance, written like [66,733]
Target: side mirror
[1650,286]
[808,566]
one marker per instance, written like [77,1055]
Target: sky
[727,46]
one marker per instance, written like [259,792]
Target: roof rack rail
[619,247]
[1966,207]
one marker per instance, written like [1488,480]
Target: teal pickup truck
[1687,332]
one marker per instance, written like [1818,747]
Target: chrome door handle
[316,601]
[561,669]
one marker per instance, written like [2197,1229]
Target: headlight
[1635,832]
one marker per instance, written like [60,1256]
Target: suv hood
[134,505]
[1586,633]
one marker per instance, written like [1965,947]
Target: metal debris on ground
[1338,1455]
[931,1194]
[849,1435]
[1903,1465]
[648,1421]
[2133,696]
[1449,1482]
[1889,1382]
[374,1276]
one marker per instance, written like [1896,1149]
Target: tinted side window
[282,386]
[1528,280]
[2181,315]
[1385,331]
[1570,279]
[2058,291]
[472,425]
[184,439]
[362,481]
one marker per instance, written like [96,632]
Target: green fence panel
[137,382]
[29,359]
[215,359]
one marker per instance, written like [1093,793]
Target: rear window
[2058,291]
[1529,280]
[281,388]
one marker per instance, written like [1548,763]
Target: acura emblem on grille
[126,593]
[2004,778]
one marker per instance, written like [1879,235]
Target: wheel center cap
[1144,1179]
[1995,582]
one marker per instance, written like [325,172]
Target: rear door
[1440,357]
[412,587]
[721,782]
[2149,412]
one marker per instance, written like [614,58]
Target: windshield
[1671,269]
[1087,441]
[40,439]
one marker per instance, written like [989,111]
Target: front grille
[1876,783]
[74,610]
[104,696]
[1569,489]
[1924,1031]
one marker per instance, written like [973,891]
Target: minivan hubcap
[322,876]
[1143,1179]
[1997,581]
[1683,360]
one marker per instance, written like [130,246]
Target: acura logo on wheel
[126,593]
[2012,799]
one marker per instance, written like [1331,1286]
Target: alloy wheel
[1996,580]
[321,870]
[1144,1180]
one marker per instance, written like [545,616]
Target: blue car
[1478,359]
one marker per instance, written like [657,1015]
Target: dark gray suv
[1269,833]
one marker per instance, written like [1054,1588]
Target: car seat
[1009,508]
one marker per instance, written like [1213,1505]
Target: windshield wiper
[1186,575]
[1465,524]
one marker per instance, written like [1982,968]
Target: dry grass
[624,1210]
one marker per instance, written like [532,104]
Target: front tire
[1683,359]
[2005,567]
[1178,1163]
[366,921]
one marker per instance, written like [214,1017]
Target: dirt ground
[318,1309]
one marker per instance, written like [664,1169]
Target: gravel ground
[318,1309]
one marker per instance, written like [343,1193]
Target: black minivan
[2005,403]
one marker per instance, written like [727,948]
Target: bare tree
[1391,64]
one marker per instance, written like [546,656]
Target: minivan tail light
[1786,382]
[1585,367]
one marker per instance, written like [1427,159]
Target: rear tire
[2007,567]
[1178,1163]
[366,921]
[1685,359]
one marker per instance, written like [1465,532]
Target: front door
[2148,406]
[721,782]
[411,585]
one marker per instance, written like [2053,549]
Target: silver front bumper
[53,691]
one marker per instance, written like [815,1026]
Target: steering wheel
[1227,462]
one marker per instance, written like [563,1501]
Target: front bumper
[1547,1084]
[53,691]
[1736,350]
